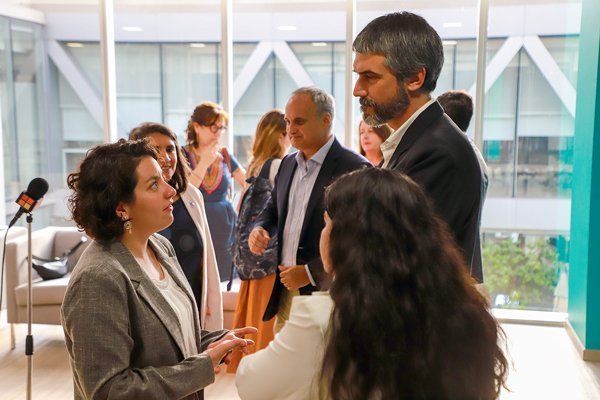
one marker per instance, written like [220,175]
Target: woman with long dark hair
[402,320]
[407,321]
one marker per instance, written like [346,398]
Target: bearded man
[398,58]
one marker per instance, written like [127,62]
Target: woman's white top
[182,306]
[289,367]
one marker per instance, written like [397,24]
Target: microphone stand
[29,339]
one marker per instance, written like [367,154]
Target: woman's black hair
[408,322]
[106,177]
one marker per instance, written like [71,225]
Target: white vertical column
[109,75]
[349,135]
[227,68]
[480,78]
[2,186]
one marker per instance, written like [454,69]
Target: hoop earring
[128,226]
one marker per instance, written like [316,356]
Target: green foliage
[527,274]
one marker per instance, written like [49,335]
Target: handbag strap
[67,253]
[227,158]
[266,168]
[64,255]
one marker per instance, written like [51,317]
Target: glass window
[325,64]
[499,127]
[189,77]
[87,56]
[296,42]
[445,81]
[79,129]
[526,271]
[528,145]
[165,66]
[499,156]
[317,59]
[284,85]
[565,51]
[339,87]
[139,96]
[258,98]
[541,111]
[241,54]
[167,61]
[25,132]
[80,123]
[29,143]
[11,176]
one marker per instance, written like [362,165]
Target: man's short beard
[382,113]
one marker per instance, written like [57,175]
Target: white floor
[545,366]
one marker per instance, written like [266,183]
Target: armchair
[47,296]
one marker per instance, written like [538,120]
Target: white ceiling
[257,20]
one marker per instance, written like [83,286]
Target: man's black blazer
[436,154]
[338,161]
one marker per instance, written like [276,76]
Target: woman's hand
[220,350]
[205,156]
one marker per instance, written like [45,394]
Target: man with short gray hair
[398,60]
[295,210]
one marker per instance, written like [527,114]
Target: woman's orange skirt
[251,304]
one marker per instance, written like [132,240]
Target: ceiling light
[132,29]
[452,24]
[319,44]
[74,44]
[287,28]
[449,42]
[197,45]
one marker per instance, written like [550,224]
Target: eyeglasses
[214,128]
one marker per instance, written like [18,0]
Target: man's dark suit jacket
[436,154]
[338,161]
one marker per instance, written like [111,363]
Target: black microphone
[28,199]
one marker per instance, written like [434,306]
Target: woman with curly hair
[407,320]
[131,324]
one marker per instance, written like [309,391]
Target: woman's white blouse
[182,306]
[288,367]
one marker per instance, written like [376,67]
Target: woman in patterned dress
[213,169]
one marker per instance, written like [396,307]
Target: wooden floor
[545,366]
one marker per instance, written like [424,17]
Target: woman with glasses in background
[213,169]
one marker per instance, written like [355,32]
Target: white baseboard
[586,354]
[529,317]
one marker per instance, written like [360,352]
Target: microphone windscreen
[37,188]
